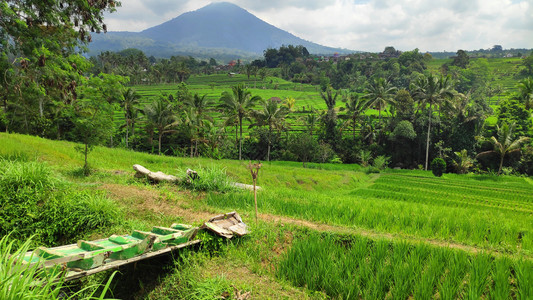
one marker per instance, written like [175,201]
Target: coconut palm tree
[238,103]
[430,92]
[525,92]
[504,144]
[330,118]
[129,102]
[310,121]
[380,94]
[199,104]
[194,124]
[355,107]
[160,116]
[272,115]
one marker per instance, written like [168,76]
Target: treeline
[141,69]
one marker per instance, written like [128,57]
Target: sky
[366,25]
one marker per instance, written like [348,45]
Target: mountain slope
[221,27]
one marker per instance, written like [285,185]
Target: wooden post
[254,170]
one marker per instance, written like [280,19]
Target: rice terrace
[212,155]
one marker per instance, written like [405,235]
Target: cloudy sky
[366,25]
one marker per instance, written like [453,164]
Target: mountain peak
[223,25]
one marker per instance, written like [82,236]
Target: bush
[33,202]
[380,162]
[438,166]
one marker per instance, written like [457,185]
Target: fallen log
[245,186]
[153,176]
[156,177]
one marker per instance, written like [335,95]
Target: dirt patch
[156,201]
[262,286]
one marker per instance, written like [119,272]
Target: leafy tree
[438,166]
[461,59]
[504,143]
[512,111]
[272,115]
[93,123]
[528,64]
[431,92]
[404,105]
[239,104]
[160,115]
[38,45]
[304,146]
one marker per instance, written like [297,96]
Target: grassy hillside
[458,236]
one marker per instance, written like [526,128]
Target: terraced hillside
[325,231]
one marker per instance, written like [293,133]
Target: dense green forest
[399,109]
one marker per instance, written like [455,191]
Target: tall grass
[211,178]
[355,267]
[19,281]
[33,202]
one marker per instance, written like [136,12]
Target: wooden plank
[74,274]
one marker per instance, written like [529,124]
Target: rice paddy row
[356,267]
[410,207]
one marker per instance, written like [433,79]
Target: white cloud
[368,25]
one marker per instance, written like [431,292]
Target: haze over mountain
[220,29]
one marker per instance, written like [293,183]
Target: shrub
[380,162]
[33,202]
[438,166]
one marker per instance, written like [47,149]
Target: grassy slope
[470,213]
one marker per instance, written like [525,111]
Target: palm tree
[160,116]
[198,103]
[504,143]
[463,162]
[194,125]
[310,121]
[431,92]
[525,92]
[272,116]
[239,103]
[289,103]
[380,94]
[355,106]
[195,116]
[330,118]
[129,102]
